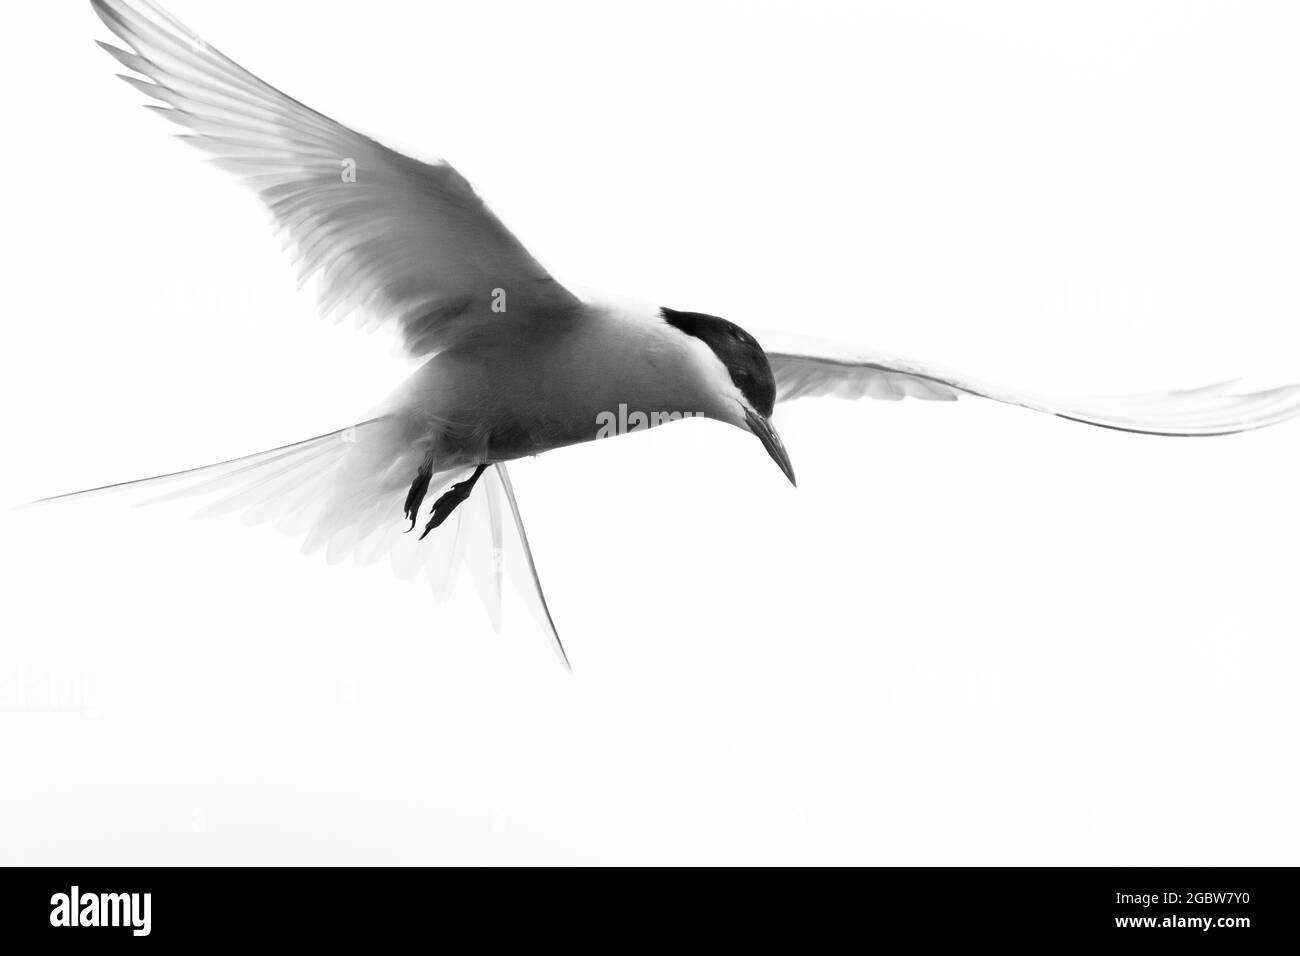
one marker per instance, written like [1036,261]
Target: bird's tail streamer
[342,493]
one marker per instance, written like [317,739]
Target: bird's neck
[651,367]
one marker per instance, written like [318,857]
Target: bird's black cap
[736,349]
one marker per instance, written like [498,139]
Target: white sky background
[972,635]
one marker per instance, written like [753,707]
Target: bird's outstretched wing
[391,239]
[805,367]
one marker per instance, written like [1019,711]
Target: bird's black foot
[419,488]
[451,499]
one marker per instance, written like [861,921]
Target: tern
[514,364]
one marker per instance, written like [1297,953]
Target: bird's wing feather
[389,238]
[808,367]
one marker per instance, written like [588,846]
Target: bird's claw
[450,499]
[443,507]
[419,488]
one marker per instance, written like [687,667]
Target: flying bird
[514,364]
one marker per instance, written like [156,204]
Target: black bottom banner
[1224,908]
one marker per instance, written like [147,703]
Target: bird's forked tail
[343,492]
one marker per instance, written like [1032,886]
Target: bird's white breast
[524,386]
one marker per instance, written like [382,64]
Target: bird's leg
[453,496]
[419,488]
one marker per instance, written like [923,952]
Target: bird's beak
[761,427]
